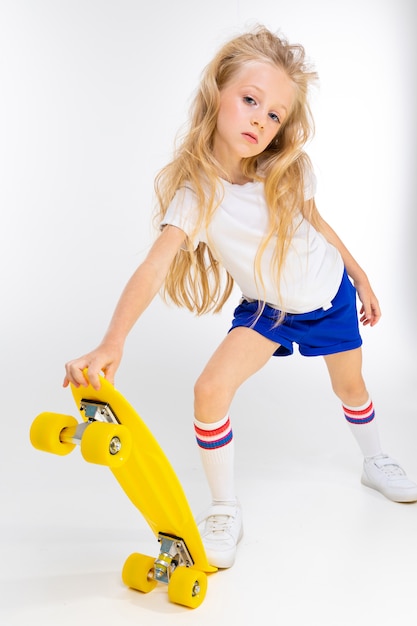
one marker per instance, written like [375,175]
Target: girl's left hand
[370,311]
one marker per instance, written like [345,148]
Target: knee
[205,388]
[212,398]
[352,393]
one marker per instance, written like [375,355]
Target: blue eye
[249,100]
[275,118]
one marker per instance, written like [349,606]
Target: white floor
[319,549]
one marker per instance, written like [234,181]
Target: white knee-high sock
[361,420]
[216,445]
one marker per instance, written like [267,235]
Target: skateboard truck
[174,552]
[95,411]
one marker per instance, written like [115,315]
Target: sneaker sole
[391,496]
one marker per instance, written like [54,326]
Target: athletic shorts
[319,332]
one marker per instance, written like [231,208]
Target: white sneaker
[222,532]
[386,476]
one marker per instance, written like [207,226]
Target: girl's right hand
[103,360]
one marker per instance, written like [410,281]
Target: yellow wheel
[46,430]
[187,586]
[138,572]
[106,444]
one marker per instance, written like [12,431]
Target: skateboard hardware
[94,412]
[98,411]
[174,553]
[102,412]
[71,435]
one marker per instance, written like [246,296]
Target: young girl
[237,204]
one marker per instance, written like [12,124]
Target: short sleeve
[182,213]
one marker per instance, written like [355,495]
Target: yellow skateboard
[113,434]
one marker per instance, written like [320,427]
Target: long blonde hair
[195,279]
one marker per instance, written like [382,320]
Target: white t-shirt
[313,269]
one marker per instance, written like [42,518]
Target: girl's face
[253,106]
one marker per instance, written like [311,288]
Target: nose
[258,123]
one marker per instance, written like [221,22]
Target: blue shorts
[319,332]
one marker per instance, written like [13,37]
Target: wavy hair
[196,280]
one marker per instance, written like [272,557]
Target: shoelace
[391,470]
[218,523]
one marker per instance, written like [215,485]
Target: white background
[92,95]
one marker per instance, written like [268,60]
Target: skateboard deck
[112,433]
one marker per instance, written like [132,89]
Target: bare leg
[345,369]
[242,353]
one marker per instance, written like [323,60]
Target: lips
[251,137]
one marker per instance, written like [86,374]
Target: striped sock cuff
[213,436]
[360,414]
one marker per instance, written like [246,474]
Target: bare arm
[136,296]
[370,311]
